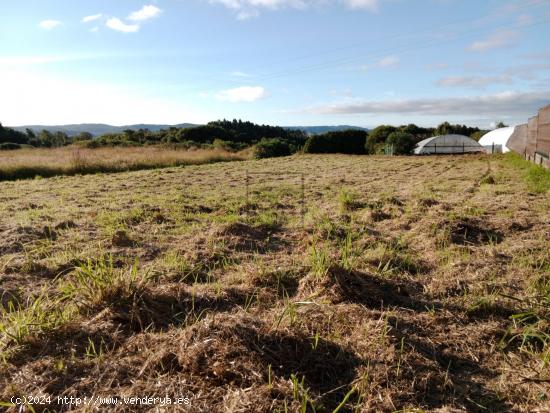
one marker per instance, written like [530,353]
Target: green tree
[84,136]
[477,135]
[403,143]
[446,128]
[378,135]
[8,135]
[271,147]
[46,138]
[349,141]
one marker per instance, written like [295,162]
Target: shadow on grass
[444,376]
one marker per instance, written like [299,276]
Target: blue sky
[285,62]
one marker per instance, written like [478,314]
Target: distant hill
[315,130]
[98,129]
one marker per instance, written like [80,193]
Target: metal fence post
[247,188]
[303,199]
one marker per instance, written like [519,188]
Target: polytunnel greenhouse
[497,139]
[447,144]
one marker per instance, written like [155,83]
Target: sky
[280,62]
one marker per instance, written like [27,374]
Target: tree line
[232,135]
[236,135]
[402,138]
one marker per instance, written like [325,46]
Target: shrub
[476,136]
[349,142]
[403,143]
[221,144]
[378,135]
[8,146]
[270,148]
[227,145]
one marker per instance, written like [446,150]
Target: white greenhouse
[497,139]
[447,144]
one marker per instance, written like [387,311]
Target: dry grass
[71,160]
[416,284]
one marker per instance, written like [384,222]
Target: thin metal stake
[247,196]
[303,198]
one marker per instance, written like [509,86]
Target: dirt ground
[392,284]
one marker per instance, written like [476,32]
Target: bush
[349,142]
[270,148]
[476,136]
[8,146]
[403,143]
[378,135]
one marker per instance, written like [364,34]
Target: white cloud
[247,14]
[505,38]
[145,13]
[386,62]
[238,73]
[94,29]
[49,24]
[115,23]
[510,103]
[371,5]
[247,9]
[389,61]
[92,18]
[437,66]
[242,94]
[524,19]
[473,81]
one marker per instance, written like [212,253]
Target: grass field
[73,160]
[415,284]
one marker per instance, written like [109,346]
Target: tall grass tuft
[32,163]
[97,282]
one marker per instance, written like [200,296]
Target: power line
[384,52]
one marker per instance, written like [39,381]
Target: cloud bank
[473,81]
[511,103]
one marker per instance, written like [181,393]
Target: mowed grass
[410,284]
[72,160]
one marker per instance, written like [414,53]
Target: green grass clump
[536,177]
[347,201]
[98,282]
[39,315]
